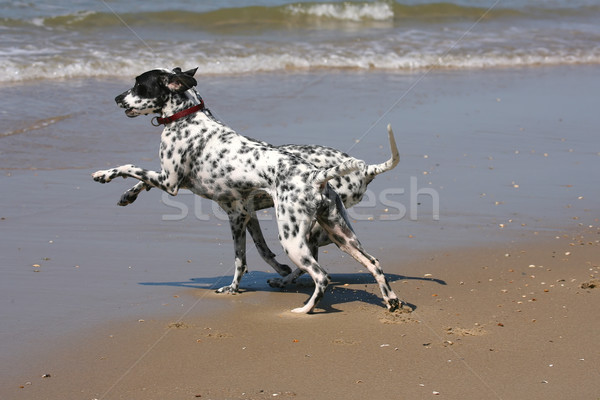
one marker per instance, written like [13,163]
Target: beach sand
[103,302]
[520,324]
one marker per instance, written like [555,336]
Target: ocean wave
[327,35]
[344,11]
[250,62]
[296,15]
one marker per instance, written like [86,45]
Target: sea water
[89,38]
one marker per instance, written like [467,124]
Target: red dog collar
[157,121]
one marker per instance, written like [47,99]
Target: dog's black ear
[191,72]
[179,83]
[177,70]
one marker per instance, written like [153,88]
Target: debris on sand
[594,283]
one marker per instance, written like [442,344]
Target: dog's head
[153,89]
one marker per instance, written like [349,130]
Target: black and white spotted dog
[351,188]
[201,154]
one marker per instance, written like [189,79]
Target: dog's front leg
[131,195]
[164,180]
[238,221]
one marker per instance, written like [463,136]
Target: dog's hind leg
[335,222]
[264,250]
[347,241]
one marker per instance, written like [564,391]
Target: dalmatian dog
[350,187]
[199,153]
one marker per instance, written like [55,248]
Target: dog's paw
[127,198]
[103,176]
[393,305]
[302,310]
[228,290]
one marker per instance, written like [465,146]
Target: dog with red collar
[201,154]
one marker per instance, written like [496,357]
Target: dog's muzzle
[120,100]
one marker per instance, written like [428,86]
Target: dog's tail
[377,169]
[322,176]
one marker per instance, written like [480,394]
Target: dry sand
[522,324]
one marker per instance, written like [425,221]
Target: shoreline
[517,324]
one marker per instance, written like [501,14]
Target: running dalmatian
[350,187]
[242,175]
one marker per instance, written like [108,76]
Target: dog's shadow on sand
[342,288]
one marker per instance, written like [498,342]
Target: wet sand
[117,302]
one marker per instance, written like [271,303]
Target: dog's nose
[119,98]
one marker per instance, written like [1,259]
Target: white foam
[225,58]
[71,18]
[345,11]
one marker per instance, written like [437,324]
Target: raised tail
[377,169]
[322,176]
